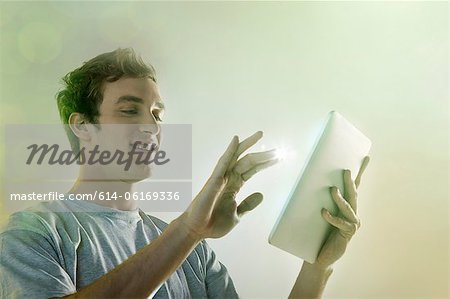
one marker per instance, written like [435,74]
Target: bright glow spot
[284,153]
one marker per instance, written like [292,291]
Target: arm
[212,213]
[312,278]
[311,281]
[143,272]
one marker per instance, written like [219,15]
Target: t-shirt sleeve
[29,267]
[218,282]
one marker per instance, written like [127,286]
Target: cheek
[115,138]
[124,137]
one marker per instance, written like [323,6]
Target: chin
[137,174]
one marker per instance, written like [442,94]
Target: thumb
[248,204]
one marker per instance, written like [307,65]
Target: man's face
[131,112]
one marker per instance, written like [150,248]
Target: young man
[106,249]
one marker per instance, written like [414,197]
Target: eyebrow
[130,98]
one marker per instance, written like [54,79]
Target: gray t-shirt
[56,248]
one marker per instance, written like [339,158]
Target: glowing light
[283,153]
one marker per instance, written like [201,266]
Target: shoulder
[32,228]
[41,218]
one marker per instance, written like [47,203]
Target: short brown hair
[83,87]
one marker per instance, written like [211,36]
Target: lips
[145,145]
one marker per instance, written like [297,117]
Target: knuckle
[234,173]
[248,159]
[359,223]
[233,205]
[219,180]
[229,194]
[353,228]
[224,180]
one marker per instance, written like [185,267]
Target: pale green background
[234,68]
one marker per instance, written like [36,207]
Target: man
[109,249]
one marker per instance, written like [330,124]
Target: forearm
[311,281]
[146,270]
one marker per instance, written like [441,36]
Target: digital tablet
[300,228]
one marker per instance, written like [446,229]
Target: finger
[251,160]
[245,145]
[249,142]
[216,182]
[344,207]
[361,170]
[226,158]
[248,204]
[346,229]
[247,175]
[350,189]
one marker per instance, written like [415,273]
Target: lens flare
[284,153]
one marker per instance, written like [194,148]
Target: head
[84,87]
[104,94]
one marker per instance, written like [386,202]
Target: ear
[78,125]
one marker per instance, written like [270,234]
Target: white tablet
[300,228]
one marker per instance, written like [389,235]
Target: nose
[150,125]
[152,129]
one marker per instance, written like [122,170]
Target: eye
[129,111]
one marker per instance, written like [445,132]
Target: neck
[114,190]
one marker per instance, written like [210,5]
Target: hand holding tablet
[346,222]
[304,227]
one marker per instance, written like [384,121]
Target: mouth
[144,146]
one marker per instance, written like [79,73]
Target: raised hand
[214,211]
